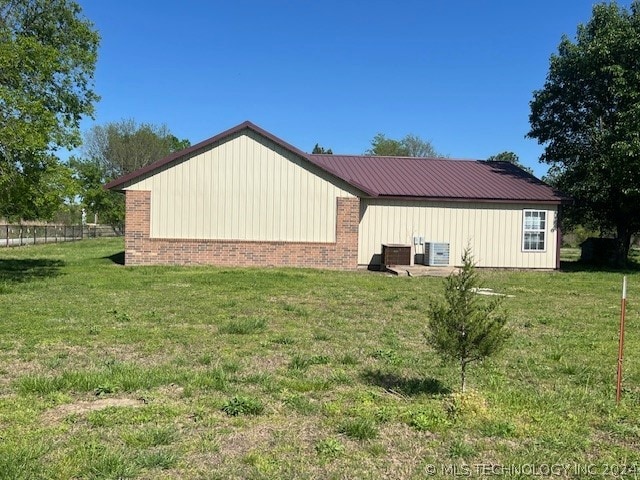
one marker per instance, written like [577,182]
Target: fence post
[7,235]
[34,234]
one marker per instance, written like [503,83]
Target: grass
[203,372]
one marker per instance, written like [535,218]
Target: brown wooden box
[396,254]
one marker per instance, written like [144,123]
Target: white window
[534,227]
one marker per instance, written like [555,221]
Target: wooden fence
[17,235]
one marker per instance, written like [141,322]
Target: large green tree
[115,149]
[409,146]
[587,115]
[48,52]
[125,146]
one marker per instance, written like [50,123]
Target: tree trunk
[623,246]
[463,378]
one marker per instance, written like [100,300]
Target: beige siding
[493,231]
[244,188]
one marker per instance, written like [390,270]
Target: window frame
[525,230]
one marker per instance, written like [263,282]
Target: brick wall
[142,250]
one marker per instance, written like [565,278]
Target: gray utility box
[436,254]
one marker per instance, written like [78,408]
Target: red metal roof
[438,178]
[400,177]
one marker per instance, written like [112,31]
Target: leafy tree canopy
[587,115]
[409,146]
[125,146]
[48,53]
[116,149]
[511,158]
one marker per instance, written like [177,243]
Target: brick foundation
[142,250]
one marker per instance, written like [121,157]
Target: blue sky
[460,74]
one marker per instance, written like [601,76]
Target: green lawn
[169,372]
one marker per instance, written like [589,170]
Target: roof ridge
[399,157]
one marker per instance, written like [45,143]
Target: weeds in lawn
[242,405]
[151,436]
[244,326]
[348,359]
[461,449]
[284,340]
[468,405]
[329,448]
[159,459]
[21,458]
[299,362]
[387,355]
[96,460]
[359,428]
[300,404]
[497,428]
[428,420]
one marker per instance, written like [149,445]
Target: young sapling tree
[466,328]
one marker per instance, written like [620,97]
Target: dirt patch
[82,407]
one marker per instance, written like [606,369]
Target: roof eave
[471,199]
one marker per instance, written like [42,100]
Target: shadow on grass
[117,258]
[578,266]
[405,386]
[25,270]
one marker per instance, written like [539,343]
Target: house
[245,197]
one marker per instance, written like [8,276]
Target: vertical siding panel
[251,186]
[297,195]
[207,183]
[484,226]
[286,199]
[229,156]
[185,194]
[169,216]
[319,205]
[174,205]
[238,202]
[511,233]
[261,198]
[502,236]
[256,210]
[217,197]
[157,203]
[274,200]
[308,202]
[200,201]
[455,233]
[241,172]
[219,189]
[278,200]
[245,172]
